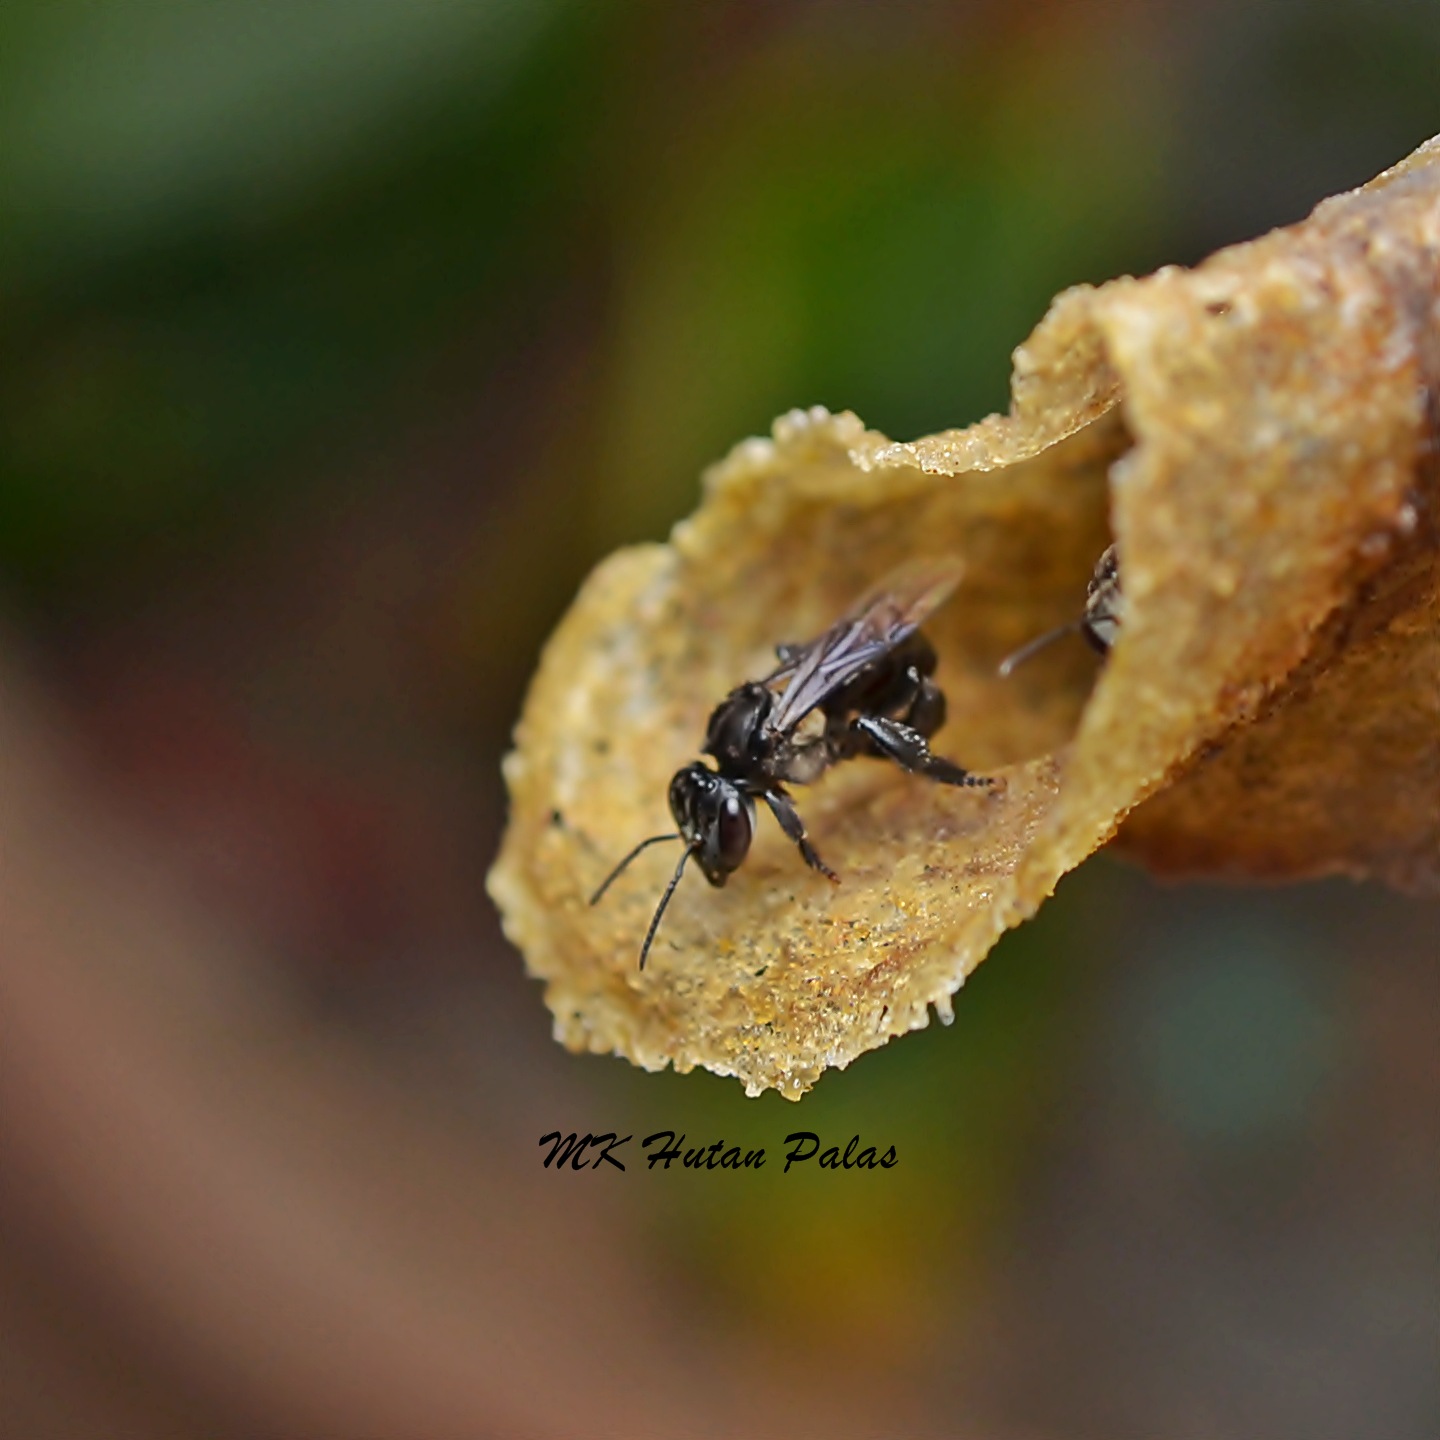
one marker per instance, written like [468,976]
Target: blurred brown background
[337,340]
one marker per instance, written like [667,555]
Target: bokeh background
[337,340]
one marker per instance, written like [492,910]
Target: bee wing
[885,617]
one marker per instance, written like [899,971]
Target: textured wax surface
[1259,435]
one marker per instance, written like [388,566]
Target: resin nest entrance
[1258,434]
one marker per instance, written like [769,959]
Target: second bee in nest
[1100,621]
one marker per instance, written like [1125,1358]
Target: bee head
[1104,603]
[716,819]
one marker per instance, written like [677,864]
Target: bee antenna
[1018,657]
[615,873]
[660,908]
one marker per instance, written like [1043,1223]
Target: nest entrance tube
[1256,432]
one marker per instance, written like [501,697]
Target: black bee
[868,680]
[1099,623]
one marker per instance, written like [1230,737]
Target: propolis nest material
[1259,434]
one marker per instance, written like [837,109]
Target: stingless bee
[868,677]
[1100,621]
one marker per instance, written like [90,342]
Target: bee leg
[926,712]
[784,811]
[907,748]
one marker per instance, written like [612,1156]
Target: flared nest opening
[1256,435]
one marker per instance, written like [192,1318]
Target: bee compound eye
[735,830]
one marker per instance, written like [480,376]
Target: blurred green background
[338,339]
